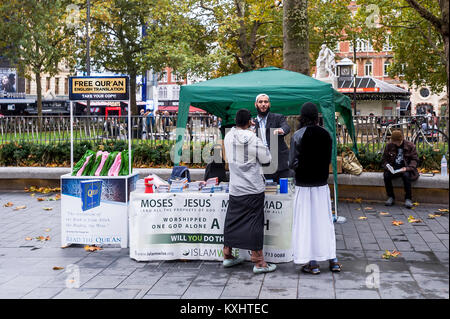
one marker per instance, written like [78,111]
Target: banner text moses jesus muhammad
[109,85]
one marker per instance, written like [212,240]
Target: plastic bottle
[443,166]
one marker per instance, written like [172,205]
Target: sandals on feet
[308,268]
[335,267]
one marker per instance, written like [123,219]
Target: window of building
[162,93]
[57,86]
[386,66]
[424,92]
[387,45]
[47,86]
[164,77]
[368,66]
[176,93]
[362,46]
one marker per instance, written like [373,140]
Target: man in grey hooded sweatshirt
[244,221]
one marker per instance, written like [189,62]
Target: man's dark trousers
[405,176]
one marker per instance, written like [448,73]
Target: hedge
[157,155]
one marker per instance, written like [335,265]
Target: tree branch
[427,15]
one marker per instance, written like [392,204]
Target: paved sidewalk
[422,271]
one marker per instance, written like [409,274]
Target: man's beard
[263,114]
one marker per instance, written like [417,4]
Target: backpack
[179,172]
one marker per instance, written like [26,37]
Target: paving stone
[356,294]
[117,294]
[141,278]
[400,290]
[151,296]
[42,293]
[104,282]
[278,293]
[81,293]
[424,268]
[171,286]
[247,289]
[203,292]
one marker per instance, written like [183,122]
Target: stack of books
[178,185]
[225,187]
[212,181]
[196,186]
[271,188]
[164,188]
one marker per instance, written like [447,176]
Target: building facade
[375,64]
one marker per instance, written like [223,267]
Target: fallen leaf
[416,204]
[57,268]
[8,204]
[32,195]
[368,208]
[92,248]
[397,222]
[40,199]
[357,200]
[58,196]
[48,229]
[411,219]
[47,208]
[388,254]
[28,238]
[20,207]
[42,238]
[384,213]
[362,218]
[358,209]
[443,210]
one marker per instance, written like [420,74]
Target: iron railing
[372,132]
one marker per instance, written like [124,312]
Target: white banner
[168,226]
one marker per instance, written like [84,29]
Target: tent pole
[335,200]
[71,137]
[129,136]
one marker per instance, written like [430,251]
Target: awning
[174,108]
[17,101]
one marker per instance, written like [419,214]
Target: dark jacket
[310,156]
[410,157]
[274,121]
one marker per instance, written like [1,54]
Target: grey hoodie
[245,153]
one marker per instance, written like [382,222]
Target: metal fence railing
[372,132]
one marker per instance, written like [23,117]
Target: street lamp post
[355,73]
[88,58]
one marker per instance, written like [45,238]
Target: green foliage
[419,50]
[36,37]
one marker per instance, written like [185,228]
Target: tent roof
[287,90]
[262,78]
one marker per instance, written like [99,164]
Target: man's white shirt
[262,127]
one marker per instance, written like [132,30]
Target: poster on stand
[170,226]
[94,211]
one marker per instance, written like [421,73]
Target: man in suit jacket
[266,125]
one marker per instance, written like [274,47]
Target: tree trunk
[133,106]
[295,36]
[447,69]
[39,99]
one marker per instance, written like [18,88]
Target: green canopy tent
[287,90]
